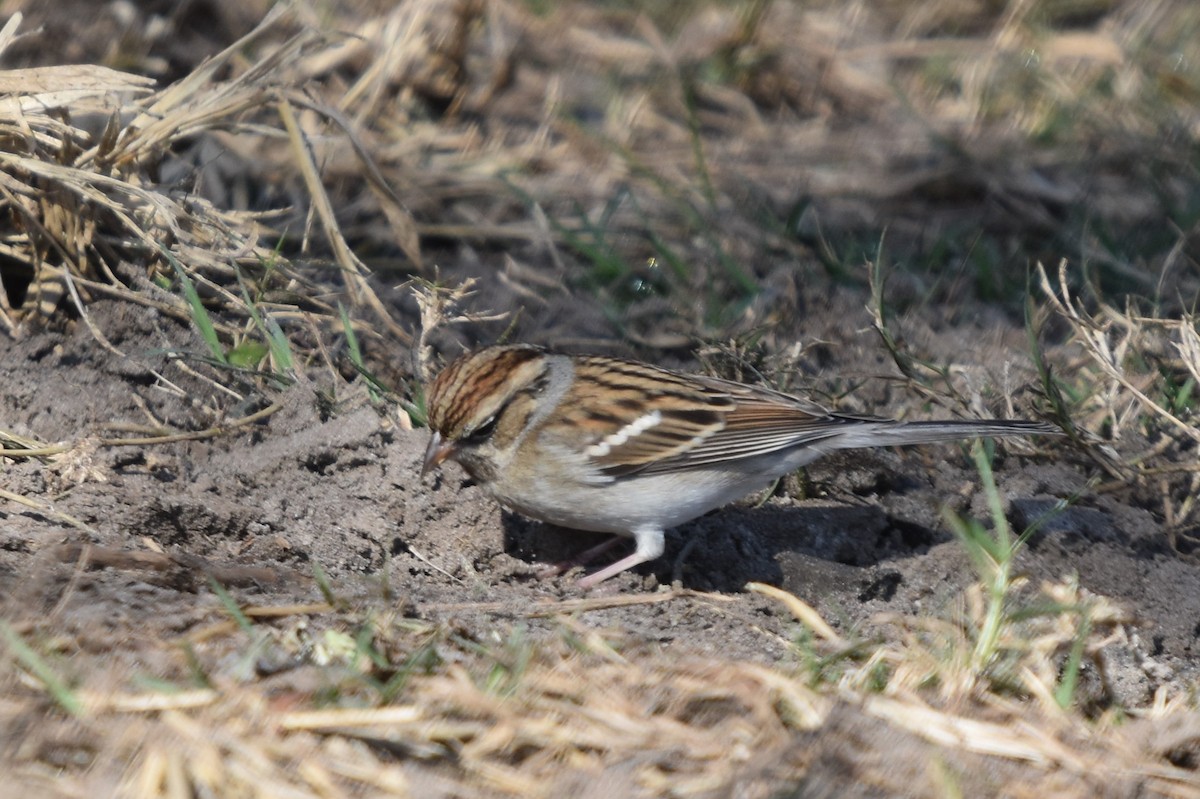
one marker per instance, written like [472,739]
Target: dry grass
[88,207]
[519,717]
[1135,376]
[775,130]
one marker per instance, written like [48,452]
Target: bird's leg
[650,545]
[582,559]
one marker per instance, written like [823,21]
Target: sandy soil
[258,507]
[108,565]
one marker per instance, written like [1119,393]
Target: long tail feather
[888,434]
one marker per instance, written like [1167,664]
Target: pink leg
[582,559]
[649,546]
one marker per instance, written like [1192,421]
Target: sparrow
[619,446]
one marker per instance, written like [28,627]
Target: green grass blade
[37,666]
[324,585]
[356,356]
[1064,694]
[200,316]
[281,348]
[231,606]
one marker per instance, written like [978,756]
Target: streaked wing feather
[718,421]
[753,431]
[674,436]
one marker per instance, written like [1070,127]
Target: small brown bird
[617,446]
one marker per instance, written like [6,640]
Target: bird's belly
[623,506]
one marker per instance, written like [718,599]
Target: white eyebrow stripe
[634,428]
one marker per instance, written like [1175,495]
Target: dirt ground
[177,482]
[258,507]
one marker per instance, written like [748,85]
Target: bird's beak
[436,452]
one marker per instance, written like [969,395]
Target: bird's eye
[483,432]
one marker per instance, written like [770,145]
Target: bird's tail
[890,434]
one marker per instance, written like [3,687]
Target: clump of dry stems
[80,149]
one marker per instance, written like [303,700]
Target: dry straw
[81,145]
[78,151]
